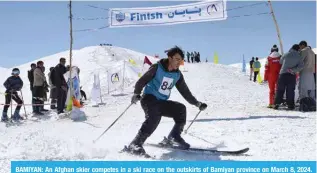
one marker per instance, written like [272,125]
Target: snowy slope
[236,117]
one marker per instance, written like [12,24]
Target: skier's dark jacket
[180,84]
[13,83]
[58,78]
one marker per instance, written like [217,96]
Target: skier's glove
[135,98]
[201,106]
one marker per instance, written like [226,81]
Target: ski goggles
[16,72]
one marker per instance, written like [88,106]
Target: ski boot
[16,115]
[4,117]
[270,106]
[136,146]
[175,138]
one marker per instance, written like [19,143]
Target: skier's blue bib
[162,83]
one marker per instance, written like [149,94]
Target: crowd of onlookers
[284,72]
[193,57]
[40,85]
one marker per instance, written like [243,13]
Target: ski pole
[192,122]
[26,116]
[113,123]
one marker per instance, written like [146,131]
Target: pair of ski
[191,149]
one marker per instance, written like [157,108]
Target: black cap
[303,43]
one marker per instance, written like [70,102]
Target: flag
[115,79]
[259,78]
[132,62]
[243,65]
[147,61]
[75,88]
[96,90]
[216,58]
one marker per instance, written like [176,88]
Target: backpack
[307,104]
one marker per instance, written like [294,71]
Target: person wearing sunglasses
[13,84]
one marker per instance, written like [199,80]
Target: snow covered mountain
[236,117]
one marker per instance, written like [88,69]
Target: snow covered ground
[236,117]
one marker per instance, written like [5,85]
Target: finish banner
[168,15]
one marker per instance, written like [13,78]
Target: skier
[158,82]
[273,71]
[12,85]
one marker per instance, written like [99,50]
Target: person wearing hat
[13,84]
[272,72]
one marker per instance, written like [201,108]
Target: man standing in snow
[306,76]
[272,72]
[31,79]
[251,67]
[53,96]
[12,85]
[158,82]
[292,63]
[38,88]
[61,86]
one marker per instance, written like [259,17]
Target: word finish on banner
[168,15]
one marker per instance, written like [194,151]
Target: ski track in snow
[236,117]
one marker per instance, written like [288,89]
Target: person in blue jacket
[158,82]
[13,84]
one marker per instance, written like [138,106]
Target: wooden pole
[70,49]
[277,28]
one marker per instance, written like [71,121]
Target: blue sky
[31,30]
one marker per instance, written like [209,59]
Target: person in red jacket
[272,72]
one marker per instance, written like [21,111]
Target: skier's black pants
[38,97]
[255,76]
[61,99]
[286,82]
[188,59]
[15,97]
[154,110]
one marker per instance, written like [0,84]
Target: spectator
[31,79]
[188,57]
[12,85]
[38,88]
[251,67]
[256,68]
[60,83]
[291,64]
[53,95]
[306,76]
[273,68]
